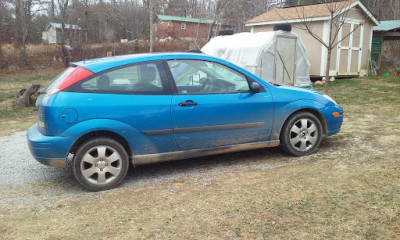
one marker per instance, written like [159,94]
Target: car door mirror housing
[255,87]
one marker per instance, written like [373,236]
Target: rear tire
[100,164]
[301,134]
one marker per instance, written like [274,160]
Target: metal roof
[183,19]
[387,25]
[67,26]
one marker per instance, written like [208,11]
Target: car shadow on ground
[259,159]
[201,167]
[61,179]
[196,167]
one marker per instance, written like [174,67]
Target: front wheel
[100,164]
[301,134]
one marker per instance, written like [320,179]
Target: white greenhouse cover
[256,52]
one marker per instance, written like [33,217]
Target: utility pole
[151,26]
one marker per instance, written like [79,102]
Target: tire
[301,134]
[100,164]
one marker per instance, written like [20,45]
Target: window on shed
[183,26]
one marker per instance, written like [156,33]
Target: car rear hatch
[48,108]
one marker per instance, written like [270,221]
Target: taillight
[75,76]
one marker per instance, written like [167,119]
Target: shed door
[350,48]
[285,60]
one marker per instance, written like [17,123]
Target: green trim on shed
[387,25]
[376,48]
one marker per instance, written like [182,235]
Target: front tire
[301,134]
[100,164]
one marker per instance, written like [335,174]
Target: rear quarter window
[135,79]
[57,80]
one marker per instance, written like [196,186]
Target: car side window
[140,78]
[204,77]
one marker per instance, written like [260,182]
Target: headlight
[329,98]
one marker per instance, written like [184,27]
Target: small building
[183,28]
[278,57]
[52,34]
[350,57]
[386,40]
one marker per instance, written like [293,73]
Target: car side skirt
[162,157]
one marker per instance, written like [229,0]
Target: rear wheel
[100,164]
[301,134]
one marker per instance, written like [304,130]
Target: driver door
[213,106]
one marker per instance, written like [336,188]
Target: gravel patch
[17,166]
[26,181]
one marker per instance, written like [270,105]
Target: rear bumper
[333,123]
[48,150]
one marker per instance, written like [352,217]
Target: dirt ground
[348,189]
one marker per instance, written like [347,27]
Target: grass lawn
[348,189]
[11,119]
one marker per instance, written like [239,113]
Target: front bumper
[48,150]
[333,123]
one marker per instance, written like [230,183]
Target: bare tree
[239,11]
[2,20]
[395,7]
[217,12]
[25,11]
[52,9]
[23,19]
[151,9]
[63,6]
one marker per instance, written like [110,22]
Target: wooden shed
[350,57]
[52,34]
[386,40]
[386,47]
[183,28]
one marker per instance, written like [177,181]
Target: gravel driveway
[18,167]
[26,181]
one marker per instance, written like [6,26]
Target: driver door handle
[188,103]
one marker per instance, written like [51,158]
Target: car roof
[100,64]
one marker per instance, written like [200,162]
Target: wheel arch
[102,133]
[309,110]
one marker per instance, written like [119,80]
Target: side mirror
[255,87]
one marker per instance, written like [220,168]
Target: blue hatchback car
[149,108]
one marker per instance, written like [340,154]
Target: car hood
[292,94]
